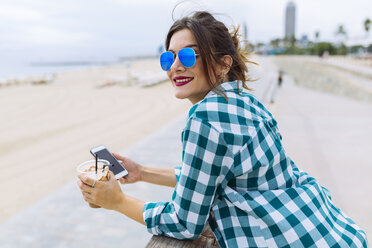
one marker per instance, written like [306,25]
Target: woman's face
[190,83]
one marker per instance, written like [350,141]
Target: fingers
[84,187]
[111,176]
[118,157]
[87,192]
[87,197]
[87,180]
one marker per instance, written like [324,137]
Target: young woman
[235,174]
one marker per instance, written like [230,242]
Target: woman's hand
[106,194]
[134,170]
[137,172]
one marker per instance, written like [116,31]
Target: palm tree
[341,31]
[367,25]
[317,34]
[275,43]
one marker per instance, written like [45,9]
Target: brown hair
[214,41]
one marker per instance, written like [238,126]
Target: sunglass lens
[166,60]
[187,57]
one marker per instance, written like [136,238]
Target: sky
[81,30]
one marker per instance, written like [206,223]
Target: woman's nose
[177,65]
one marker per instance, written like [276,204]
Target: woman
[235,174]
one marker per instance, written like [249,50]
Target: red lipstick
[181,80]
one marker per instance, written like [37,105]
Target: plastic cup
[88,168]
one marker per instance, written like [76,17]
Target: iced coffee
[97,170]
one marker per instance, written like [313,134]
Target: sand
[47,130]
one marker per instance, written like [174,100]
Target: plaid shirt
[237,176]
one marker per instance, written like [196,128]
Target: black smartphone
[103,153]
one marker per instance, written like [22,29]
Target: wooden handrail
[205,240]
[166,242]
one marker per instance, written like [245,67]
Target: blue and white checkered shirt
[236,175]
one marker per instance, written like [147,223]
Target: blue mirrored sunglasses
[187,57]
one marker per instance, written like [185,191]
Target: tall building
[290,20]
[244,43]
[245,31]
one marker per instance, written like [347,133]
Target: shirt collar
[227,86]
[223,87]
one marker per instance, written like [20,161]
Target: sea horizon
[18,69]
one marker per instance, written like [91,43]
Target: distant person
[275,87]
[280,78]
[235,175]
[320,54]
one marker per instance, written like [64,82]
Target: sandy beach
[47,130]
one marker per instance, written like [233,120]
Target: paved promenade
[326,135]
[330,137]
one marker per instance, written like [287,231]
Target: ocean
[19,70]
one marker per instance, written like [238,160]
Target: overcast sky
[103,30]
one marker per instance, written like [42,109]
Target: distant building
[245,31]
[304,39]
[290,20]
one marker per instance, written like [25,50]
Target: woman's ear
[222,69]
[227,61]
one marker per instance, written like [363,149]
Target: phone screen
[116,167]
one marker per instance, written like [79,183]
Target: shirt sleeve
[207,161]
